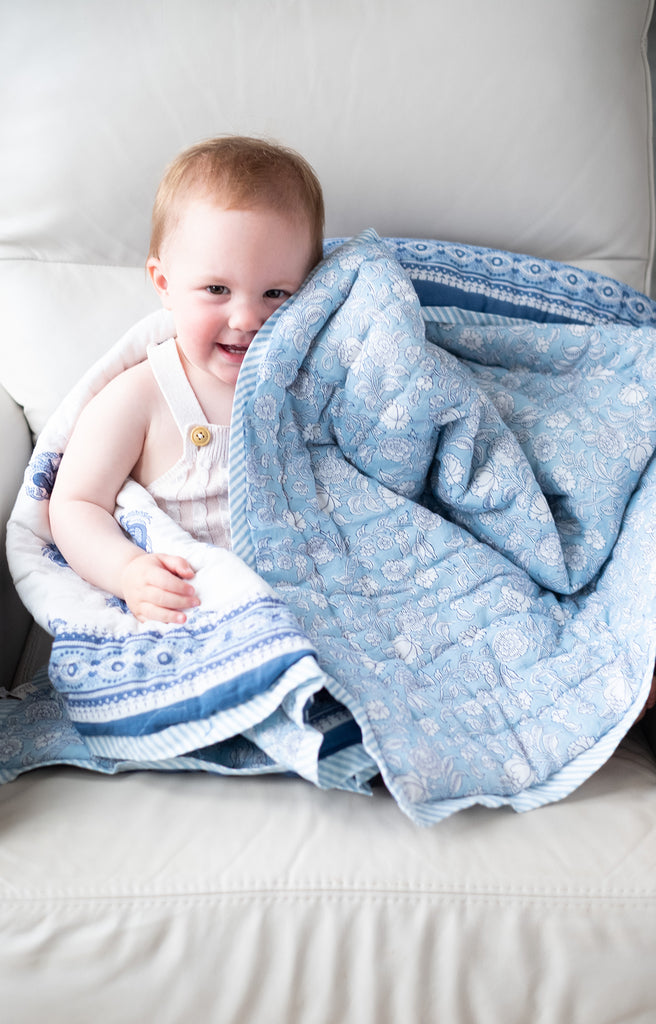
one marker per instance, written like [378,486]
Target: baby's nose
[246,316]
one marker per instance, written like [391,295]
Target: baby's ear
[159,279]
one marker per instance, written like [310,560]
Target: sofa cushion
[175,898]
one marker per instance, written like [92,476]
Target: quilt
[443,564]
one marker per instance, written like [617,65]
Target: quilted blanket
[443,565]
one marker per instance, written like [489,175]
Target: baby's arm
[102,451]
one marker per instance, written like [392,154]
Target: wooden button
[200,436]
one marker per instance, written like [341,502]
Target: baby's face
[222,273]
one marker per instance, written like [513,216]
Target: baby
[237,226]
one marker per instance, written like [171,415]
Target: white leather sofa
[160,898]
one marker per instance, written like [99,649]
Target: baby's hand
[154,587]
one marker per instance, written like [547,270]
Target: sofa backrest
[516,125]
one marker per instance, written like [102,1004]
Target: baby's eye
[217,289]
[276,293]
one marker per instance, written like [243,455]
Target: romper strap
[172,380]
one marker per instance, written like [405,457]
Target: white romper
[194,491]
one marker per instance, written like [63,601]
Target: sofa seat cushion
[271,889]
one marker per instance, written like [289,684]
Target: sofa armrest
[14,619]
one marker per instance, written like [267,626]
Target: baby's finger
[169,583]
[170,605]
[173,602]
[157,613]
[177,565]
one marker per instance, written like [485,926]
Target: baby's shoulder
[129,396]
[136,383]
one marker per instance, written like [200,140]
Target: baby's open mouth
[235,350]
